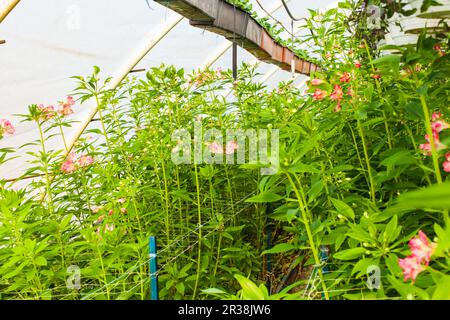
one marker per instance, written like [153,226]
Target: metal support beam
[149,42]
[7,8]
[224,46]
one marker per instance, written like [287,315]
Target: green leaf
[279,248]
[399,158]
[392,232]
[266,196]
[343,208]
[442,291]
[349,254]
[250,291]
[40,261]
[362,265]
[434,197]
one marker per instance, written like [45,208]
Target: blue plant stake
[323,258]
[153,269]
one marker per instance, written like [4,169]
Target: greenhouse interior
[224,150]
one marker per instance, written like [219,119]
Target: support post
[153,269]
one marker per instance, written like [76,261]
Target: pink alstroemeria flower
[438,126]
[231,147]
[68,166]
[47,112]
[316,82]
[95,209]
[427,146]
[345,77]
[121,200]
[319,94]
[337,93]
[422,248]
[6,127]
[446,166]
[350,92]
[411,267]
[436,115]
[85,160]
[214,147]
[358,64]
[438,48]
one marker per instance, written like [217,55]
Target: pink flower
[215,148]
[357,64]
[66,106]
[47,112]
[99,220]
[422,248]
[438,126]
[338,108]
[350,92]
[85,160]
[345,77]
[231,147]
[123,210]
[337,93]
[436,115]
[65,110]
[68,166]
[6,127]
[316,82]
[411,267]
[109,227]
[70,102]
[95,209]
[427,146]
[72,157]
[319,94]
[446,166]
[328,55]
[437,47]
[110,212]
[121,200]
[376,76]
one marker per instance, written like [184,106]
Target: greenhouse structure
[225,150]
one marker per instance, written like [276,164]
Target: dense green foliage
[353,186]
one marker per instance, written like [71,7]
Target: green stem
[302,205]
[47,177]
[199,216]
[369,168]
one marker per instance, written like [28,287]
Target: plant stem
[199,216]
[366,156]
[47,177]
[306,222]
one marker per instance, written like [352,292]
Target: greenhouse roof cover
[48,41]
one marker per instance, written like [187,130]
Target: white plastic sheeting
[48,41]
